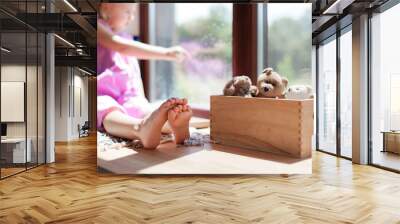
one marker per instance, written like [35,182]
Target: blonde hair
[102,10]
[104,7]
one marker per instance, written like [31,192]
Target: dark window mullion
[37,90]
[46,35]
[26,87]
[244,40]
[338,98]
[73,92]
[317,96]
[369,90]
[0,97]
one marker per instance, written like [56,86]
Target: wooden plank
[206,159]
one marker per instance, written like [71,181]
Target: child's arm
[134,48]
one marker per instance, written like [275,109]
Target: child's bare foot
[150,128]
[178,119]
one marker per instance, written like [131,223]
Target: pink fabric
[119,85]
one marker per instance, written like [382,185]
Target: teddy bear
[270,84]
[240,86]
[299,92]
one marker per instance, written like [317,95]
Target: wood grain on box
[391,142]
[273,125]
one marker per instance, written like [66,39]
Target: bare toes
[173,100]
[181,101]
[166,103]
[176,109]
[172,114]
[169,103]
[178,101]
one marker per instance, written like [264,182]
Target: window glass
[15,149]
[205,31]
[22,89]
[32,97]
[385,88]
[287,41]
[41,79]
[346,94]
[327,96]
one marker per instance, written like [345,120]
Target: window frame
[333,37]
[381,9]
[27,29]
[339,31]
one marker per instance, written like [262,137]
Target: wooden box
[279,126]
[391,142]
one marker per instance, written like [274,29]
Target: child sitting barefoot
[123,110]
[149,129]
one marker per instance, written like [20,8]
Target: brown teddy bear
[270,84]
[240,86]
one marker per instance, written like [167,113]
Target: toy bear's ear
[285,82]
[267,71]
[229,89]
[235,80]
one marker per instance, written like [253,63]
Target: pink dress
[119,85]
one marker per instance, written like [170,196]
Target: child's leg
[148,130]
[120,124]
[140,107]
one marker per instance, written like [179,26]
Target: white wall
[71,94]
[12,73]
[61,103]
[80,103]
[33,127]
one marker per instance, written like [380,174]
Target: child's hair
[104,7]
[103,10]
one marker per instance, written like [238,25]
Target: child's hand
[177,53]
